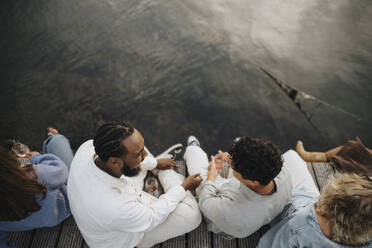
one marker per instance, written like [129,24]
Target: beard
[130,172]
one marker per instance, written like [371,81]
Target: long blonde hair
[346,202]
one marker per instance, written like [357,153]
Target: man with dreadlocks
[106,198]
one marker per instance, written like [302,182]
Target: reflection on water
[175,68]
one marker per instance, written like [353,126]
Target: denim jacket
[297,226]
[52,173]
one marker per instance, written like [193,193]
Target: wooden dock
[67,234]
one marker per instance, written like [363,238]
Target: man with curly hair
[256,190]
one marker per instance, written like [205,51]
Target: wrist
[184,186]
[211,178]
[159,164]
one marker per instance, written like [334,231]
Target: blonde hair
[346,202]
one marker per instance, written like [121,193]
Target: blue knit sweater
[52,173]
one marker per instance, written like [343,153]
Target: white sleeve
[138,217]
[149,163]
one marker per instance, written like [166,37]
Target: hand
[214,168]
[224,156]
[165,163]
[29,155]
[192,182]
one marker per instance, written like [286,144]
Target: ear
[114,161]
[254,183]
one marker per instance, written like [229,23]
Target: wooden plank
[157,246]
[323,171]
[311,170]
[200,237]
[220,242]
[180,167]
[70,235]
[178,242]
[85,245]
[46,237]
[21,239]
[264,229]
[250,241]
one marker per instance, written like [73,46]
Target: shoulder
[82,156]
[86,147]
[297,220]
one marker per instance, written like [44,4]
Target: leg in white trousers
[197,162]
[185,218]
[300,175]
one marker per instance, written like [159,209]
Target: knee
[59,138]
[291,154]
[193,216]
[194,220]
[191,151]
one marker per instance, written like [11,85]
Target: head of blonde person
[346,202]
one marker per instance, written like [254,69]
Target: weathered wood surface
[323,172]
[220,242]
[46,237]
[68,235]
[250,241]
[21,239]
[200,237]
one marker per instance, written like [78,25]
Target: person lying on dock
[258,187]
[33,194]
[353,157]
[340,218]
[106,198]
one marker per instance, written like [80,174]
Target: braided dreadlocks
[108,140]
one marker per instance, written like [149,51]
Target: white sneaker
[171,152]
[193,141]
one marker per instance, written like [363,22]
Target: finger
[196,175]
[213,159]
[219,155]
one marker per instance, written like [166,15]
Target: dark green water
[175,68]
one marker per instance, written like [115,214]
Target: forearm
[207,194]
[165,205]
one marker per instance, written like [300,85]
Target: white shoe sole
[166,154]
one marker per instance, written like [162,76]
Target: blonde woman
[341,217]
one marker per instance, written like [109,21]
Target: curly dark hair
[256,159]
[108,140]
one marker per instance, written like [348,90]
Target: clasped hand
[216,165]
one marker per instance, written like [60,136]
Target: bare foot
[52,130]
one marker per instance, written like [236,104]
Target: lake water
[175,68]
